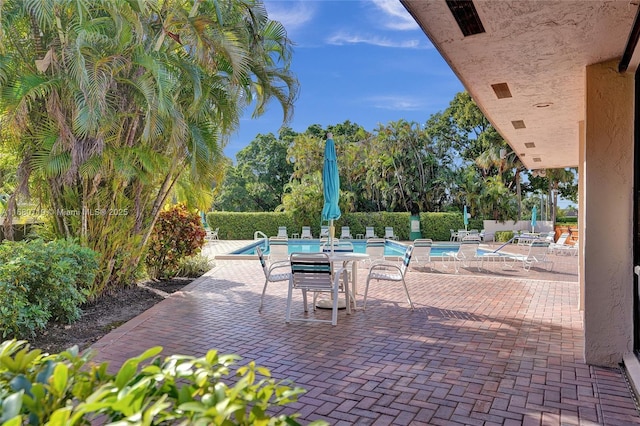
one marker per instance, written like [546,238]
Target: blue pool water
[391,248]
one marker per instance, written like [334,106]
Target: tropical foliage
[113,108]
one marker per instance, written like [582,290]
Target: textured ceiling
[540,50]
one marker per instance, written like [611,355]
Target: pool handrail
[259,234]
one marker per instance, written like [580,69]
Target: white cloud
[344,38]
[402,103]
[291,14]
[397,16]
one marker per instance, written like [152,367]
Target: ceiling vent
[529,145]
[518,124]
[537,160]
[501,90]
[466,16]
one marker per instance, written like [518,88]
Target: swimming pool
[391,248]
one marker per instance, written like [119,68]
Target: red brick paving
[489,348]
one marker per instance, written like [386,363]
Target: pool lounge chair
[561,244]
[388,233]
[537,254]
[467,253]
[422,252]
[369,233]
[346,233]
[324,231]
[306,232]
[282,232]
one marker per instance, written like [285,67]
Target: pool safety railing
[259,234]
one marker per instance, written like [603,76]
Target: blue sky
[363,61]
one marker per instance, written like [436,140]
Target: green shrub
[66,389]
[178,233]
[194,266]
[42,281]
[503,236]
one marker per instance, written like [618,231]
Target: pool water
[391,248]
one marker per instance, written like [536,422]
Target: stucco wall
[607,204]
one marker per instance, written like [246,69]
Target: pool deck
[491,347]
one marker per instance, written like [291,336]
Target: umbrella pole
[332,231]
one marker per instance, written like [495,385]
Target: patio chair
[369,233]
[278,249]
[487,236]
[387,271]
[306,232]
[212,235]
[282,232]
[311,272]
[375,249]
[274,272]
[388,233]
[346,233]
[567,249]
[324,231]
[454,235]
[537,254]
[560,244]
[467,253]
[422,252]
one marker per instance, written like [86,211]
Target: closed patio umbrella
[330,186]
[534,214]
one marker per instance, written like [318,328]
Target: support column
[606,226]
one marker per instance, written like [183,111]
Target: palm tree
[112,105]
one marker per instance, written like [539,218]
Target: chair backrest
[563,238]
[471,237]
[375,248]
[263,262]
[406,260]
[282,231]
[306,232]
[422,246]
[388,232]
[468,248]
[369,232]
[346,233]
[278,248]
[311,271]
[324,231]
[538,250]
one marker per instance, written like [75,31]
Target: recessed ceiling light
[543,104]
[518,124]
[529,145]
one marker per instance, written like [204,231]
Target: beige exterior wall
[605,229]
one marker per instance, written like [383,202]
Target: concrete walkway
[496,347]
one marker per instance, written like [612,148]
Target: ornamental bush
[42,281]
[66,389]
[178,233]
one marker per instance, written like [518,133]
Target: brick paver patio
[500,347]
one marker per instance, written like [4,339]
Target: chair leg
[264,289]
[304,300]
[366,290]
[347,292]
[334,308]
[288,314]
[406,290]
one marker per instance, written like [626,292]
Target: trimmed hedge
[242,226]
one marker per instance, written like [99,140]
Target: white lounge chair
[346,233]
[537,254]
[369,233]
[388,233]
[387,271]
[212,235]
[467,253]
[560,244]
[273,272]
[311,272]
[487,236]
[422,252]
[306,232]
[324,231]
[282,232]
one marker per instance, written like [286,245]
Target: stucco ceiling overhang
[540,50]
